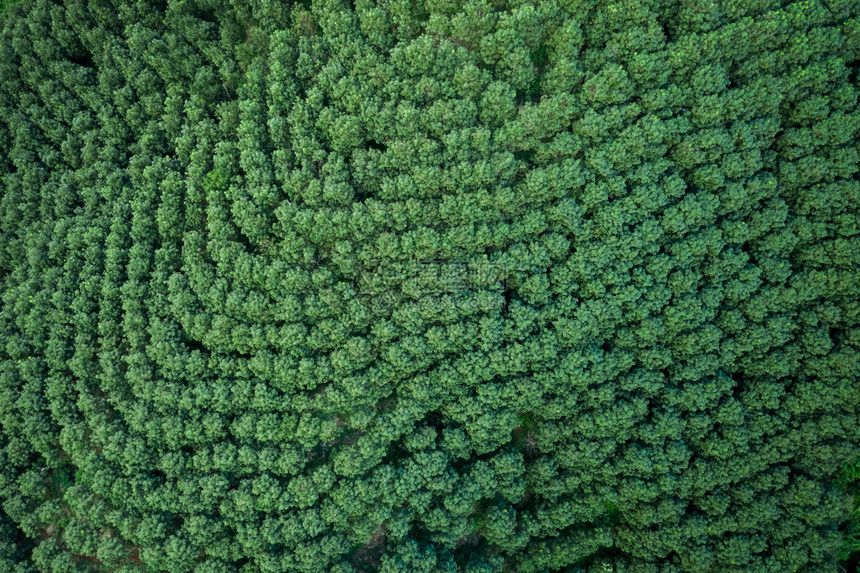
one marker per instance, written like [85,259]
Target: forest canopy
[414,286]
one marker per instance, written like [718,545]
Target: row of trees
[446,286]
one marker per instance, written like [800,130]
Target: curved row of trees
[482,286]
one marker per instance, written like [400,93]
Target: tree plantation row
[414,286]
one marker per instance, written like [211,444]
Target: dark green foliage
[848,479]
[449,286]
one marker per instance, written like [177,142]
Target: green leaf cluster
[443,286]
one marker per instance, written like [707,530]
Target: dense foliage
[408,286]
